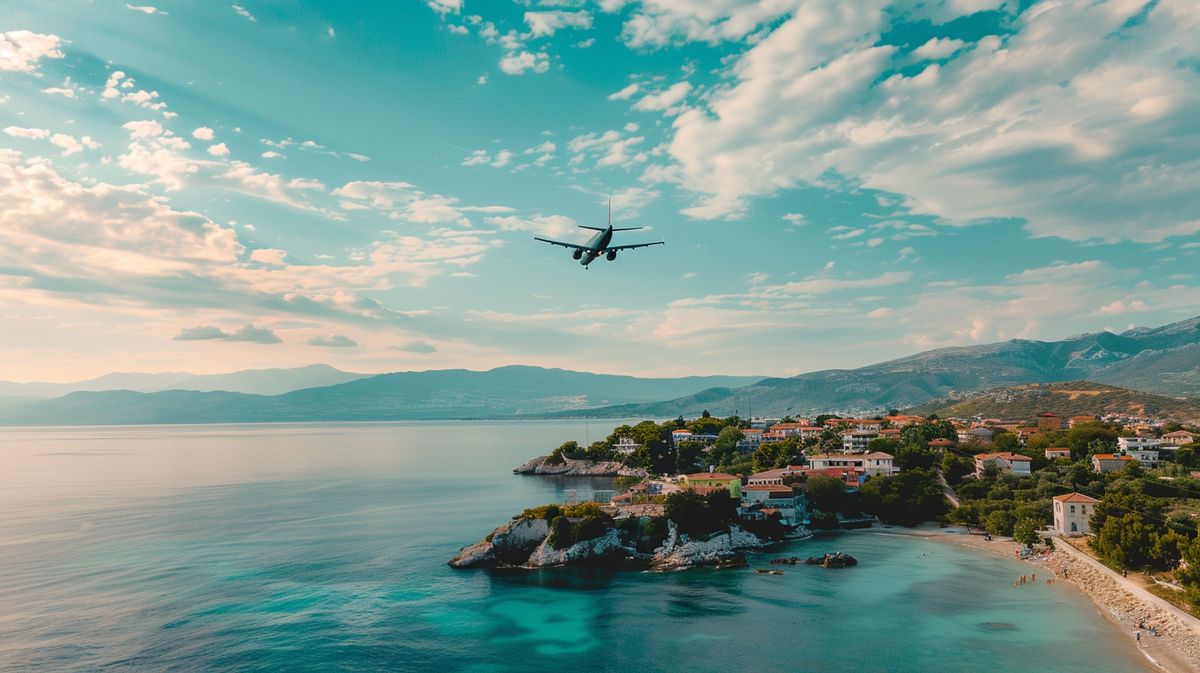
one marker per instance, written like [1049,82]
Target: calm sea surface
[323,547]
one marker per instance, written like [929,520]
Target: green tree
[1000,522]
[1006,442]
[907,498]
[1025,531]
[827,494]
[688,455]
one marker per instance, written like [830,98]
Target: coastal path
[1186,618]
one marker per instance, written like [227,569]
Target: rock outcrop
[607,547]
[579,468]
[510,544]
[679,551]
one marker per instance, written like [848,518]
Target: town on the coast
[1123,489]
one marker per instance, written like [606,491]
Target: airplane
[599,243]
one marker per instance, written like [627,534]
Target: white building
[878,462]
[626,445]
[1138,443]
[857,441]
[1144,457]
[1071,513]
[1004,462]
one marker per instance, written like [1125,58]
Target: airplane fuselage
[596,246]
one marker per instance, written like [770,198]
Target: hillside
[441,394]
[1163,360]
[1070,398]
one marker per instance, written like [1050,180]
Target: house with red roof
[1110,462]
[1071,513]
[1005,461]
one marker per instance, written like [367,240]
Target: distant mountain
[1069,398]
[1163,360]
[442,394]
[256,381]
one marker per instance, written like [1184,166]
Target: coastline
[1175,650]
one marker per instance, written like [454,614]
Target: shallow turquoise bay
[322,548]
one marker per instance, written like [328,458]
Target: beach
[1125,605]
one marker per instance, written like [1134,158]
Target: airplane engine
[577,254]
[612,254]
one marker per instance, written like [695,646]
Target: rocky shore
[526,543]
[578,468]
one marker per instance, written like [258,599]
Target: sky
[212,186]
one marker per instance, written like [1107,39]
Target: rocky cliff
[579,468]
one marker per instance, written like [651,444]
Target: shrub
[560,532]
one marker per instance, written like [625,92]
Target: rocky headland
[541,539]
[571,467]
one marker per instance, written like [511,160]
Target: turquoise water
[323,548]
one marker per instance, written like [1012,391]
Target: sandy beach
[1122,601]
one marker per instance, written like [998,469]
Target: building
[852,478]
[1071,513]
[801,430]
[782,499]
[1056,452]
[1144,457]
[857,441]
[626,445]
[905,421]
[751,439]
[1127,444]
[1179,438]
[1048,421]
[975,434]
[878,462]
[774,476]
[705,482]
[1110,462]
[1004,462]
[1024,433]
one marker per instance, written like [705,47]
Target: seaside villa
[1004,462]
[1071,513]
[704,481]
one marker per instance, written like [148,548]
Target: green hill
[1069,398]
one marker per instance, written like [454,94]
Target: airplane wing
[614,248]
[565,245]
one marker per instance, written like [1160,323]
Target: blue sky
[214,186]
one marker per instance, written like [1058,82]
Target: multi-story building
[1071,513]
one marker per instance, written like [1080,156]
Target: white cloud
[666,99]
[939,48]
[145,9]
[625,93]
[20,50]
[556,226]
[272,256]
[333,341]
[517,63]
[27,133]
[147,128]
[243,12]
[218,150]
[446,6]
[1079,123]
[118,82]
[545,24]
[203,133]
[71,145]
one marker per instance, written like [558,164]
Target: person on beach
[1137,636]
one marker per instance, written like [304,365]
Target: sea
[323,547]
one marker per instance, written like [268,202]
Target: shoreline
[1175,650]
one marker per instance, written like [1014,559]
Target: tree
[1006,442]
[1000,522]
[1025,531]
[687,456]
[907,498]
[827,494]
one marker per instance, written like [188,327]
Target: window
[1072,509]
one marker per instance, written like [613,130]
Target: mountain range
[1163,360]
[515,391]
[256,381]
